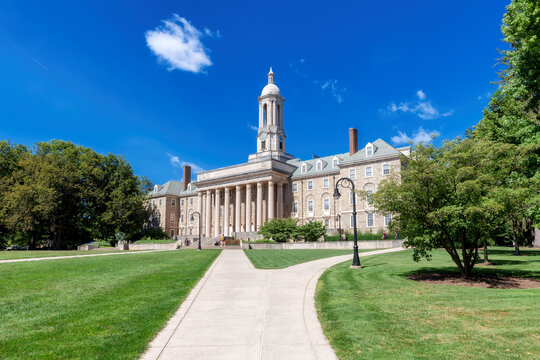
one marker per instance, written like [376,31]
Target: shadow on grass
[486,271]
[511,251]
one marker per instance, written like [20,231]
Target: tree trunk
[486,260]
[516,248]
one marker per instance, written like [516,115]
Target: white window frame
[352,174]
[310,184]
[294,186]
[351,222]
[172,218]
[189,187]
[388,167]
[327,223]
[310,204]
[368,215]
[303,168]
[368,197]
[387,219]
[369,150]
[335,162]
[327,181]
[295,207]
[351,198]
[370,171]
[319,165]
[326,201]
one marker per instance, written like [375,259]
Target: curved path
[239,312]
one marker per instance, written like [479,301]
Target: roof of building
[381,149]
[171,187]
[270,89]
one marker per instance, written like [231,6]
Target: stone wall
[370,244]
[168,246]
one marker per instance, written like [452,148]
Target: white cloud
[176,162]
[178,44]
[214,34]
[422,107]
[420,135]
[336,91]
[252,127]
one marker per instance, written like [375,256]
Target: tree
[311,231]
[440,200]
[279,230]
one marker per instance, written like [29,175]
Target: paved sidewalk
[239,312]
[79,256]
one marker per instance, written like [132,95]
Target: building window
[182,219]
[189,187]
[352,174]
[153,202]
[326,205]
[280,142]
[310,206]
[303,168]
[387,219]
[386,169]
[351,224]
[327,223]
[264,114]
[335,163]
[182,202]
[263,145]
[319,165]
[295,207]
[370,222]
[369,150]
[190,231]
[191,201]
[295,187]
[310,185]
[172,232]
[369,171]
[368,196]
[159,202]
[173,202]
[172,218]
[351,197]
[156,189]
[325,183]
[220,212]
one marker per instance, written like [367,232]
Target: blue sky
[177,82]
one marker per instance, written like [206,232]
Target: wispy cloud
[214,34]
[252,127]
[421,107]
[178,43]
[485,96]
[25,53]
[176,162]
[420,135]
[337,91]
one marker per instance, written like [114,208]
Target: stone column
[216,213]
[199,209]
[226,205]
[237,202]
[208,209]
[259,205]
[274,112]
[280,200]
[271,200]
[248,207]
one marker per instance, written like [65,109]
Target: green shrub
[155,233]
[279,230]
[263,241]
[312,231]
[370,236]
[103,243]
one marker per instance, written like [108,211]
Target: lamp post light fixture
[199,217]
[349,184]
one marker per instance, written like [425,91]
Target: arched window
[278,115]
[263,142]
[189,187]
[280,142]
[319,165]
[303,169]
[264,114]
[335,162]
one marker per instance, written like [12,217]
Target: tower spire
[271,76]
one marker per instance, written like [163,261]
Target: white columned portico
[216,212]
[280,200]
[237,207]
[207,230]
[248,207]
[226,205]
[259,205]
[271,200]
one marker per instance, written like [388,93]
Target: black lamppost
[350,185]
[199,217]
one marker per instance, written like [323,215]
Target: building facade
[236,200]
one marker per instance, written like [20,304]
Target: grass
[377,313]
[104,307]
[26,254]
[279,259]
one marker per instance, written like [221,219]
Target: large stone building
[236,200]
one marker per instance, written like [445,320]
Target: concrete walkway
[79,256]
[239,312]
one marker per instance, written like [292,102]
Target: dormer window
[303,168]
[319,165]
[189,187]
[155,188]
[335,162]
[369,150]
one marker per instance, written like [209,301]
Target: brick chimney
[186,178]
[353,141]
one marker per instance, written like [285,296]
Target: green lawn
[279,259]
[377,313]
[103,307]
[26,254]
